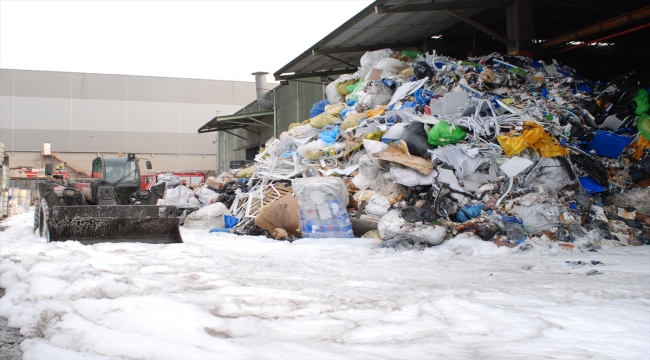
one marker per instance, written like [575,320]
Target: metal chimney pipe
[260,83]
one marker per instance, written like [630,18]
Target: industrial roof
[237,121]
[403,24]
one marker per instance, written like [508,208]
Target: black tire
[43,231]
[37,216]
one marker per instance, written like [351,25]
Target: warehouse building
[84,115]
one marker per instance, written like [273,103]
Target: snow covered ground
[232,297]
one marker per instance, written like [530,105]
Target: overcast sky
[224,40]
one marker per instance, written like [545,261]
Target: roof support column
[519,17]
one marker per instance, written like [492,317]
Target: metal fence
[27,184]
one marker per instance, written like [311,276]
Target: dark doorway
[251,152]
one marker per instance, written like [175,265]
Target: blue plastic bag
[329,136]
[409,104]
[318,108]
[422,96]
[469,211]
[230,221]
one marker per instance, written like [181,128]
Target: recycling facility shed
[601,38]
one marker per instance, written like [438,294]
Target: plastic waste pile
[513,150]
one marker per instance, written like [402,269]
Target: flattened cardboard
[283,213]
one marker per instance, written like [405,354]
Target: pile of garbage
[415,148]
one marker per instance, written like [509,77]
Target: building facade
[86,115]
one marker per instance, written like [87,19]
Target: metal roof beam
[484,29]
[233,134]
[383,9]
[341,61]
[341,50]
[582,6]
[316,74]
[261,123]
[233,122]
[599,27]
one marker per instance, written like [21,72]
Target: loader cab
[114,169]
[123,172]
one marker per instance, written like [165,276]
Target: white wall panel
[99,86]
[197,143]
[6,111]
[89,141]
[7,82]
[6,136]
[41,113]
[49,84]
[152,142]
[98,115]
[26,140]
[152,117]
[115,113]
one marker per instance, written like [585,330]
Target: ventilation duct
[260,84]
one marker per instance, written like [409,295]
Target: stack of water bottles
[323,205]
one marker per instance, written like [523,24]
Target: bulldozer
[110,206]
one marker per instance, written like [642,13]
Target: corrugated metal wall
[234,148]
[294,101]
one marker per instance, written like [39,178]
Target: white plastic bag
[539,217]
[371,58]
[319,189]
[376,203]
[409,177]
[206,196]
[171,180]
[209,217]
[313,150]
[390,224]
[188,200]
[173,196]
[376,94]
[369,172]
[389,67]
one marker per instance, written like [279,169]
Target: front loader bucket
[114,223]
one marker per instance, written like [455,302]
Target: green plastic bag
[643,125]
[444,133]
[353,87]
[412,54]
[642,104]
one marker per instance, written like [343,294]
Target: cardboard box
[283,213]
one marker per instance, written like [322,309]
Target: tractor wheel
[43,231]
[37,216]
